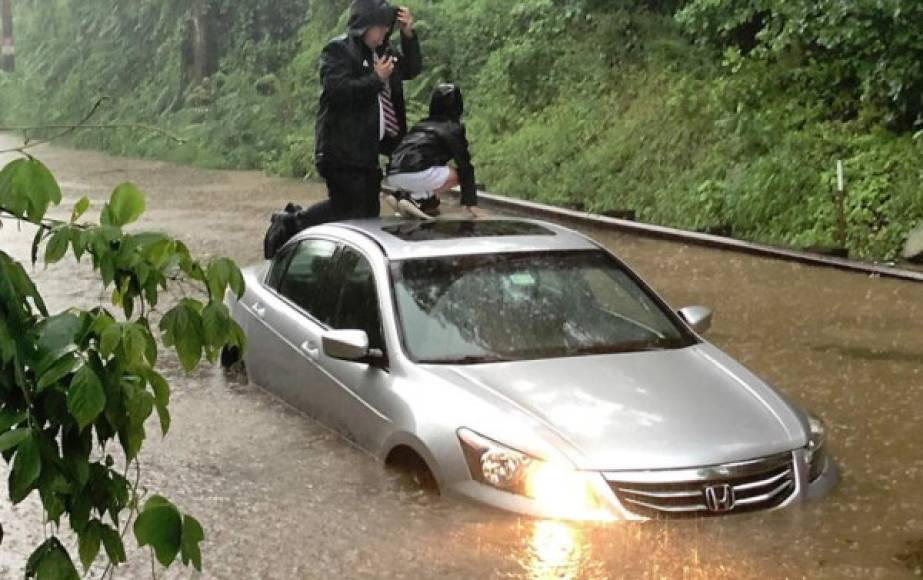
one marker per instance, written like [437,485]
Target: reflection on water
[555,550]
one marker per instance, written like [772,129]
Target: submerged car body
[527,367]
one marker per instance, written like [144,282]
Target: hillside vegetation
[713,115]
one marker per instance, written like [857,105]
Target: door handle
[310,348]
[259,309]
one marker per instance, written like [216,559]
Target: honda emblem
[719,498]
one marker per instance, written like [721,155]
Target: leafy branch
[77,377]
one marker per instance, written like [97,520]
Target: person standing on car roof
[362,113]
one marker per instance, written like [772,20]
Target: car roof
[401,239]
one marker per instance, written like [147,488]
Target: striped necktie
[387,107]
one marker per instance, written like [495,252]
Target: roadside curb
[695,238]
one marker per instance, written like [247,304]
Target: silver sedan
[519,364]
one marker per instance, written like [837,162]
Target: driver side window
[356,297]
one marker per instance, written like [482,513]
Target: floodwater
[282,498]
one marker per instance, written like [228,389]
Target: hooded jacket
[438,139]
[348,116]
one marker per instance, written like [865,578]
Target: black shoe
[411,209]
[430,206]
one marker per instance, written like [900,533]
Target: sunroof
[459,229]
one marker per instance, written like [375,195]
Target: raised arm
[458,143]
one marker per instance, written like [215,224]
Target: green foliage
[857,58]
[74,382]
[702,114]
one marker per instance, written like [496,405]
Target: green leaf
[218,275]
[57,245]
[216,323]
[119,495]
[192,537]
[80,208]
[85,398]
[16,285]
[79,240]
[160,526]
[134,340]
[79,511]
[113,544]
[182,328]
[58,333]
[8,348]
[132,436]
[13,438]
[64,366]
[88,543]
[161,398]
[126,205]
[150,347]
[10,418]
[27,188]
[109,341]
[27,466]
[40,235]
[50,561]
[79,469]
[138,403]
[237,281]
[107,269]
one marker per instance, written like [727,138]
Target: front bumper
[771,483]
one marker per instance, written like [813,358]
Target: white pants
[422,184]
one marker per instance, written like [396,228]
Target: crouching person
[419,168]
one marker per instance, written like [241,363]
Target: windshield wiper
[636,346]
[467,360]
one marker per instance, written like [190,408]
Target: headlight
[558,489]
[816,454]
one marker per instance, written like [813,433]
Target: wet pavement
[282,498]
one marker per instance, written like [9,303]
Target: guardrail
[531,208]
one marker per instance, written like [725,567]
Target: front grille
[735,488]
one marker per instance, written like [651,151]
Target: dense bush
[704,114]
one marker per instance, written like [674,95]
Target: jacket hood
[363,14]
[446,103]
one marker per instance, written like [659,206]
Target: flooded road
[282,498]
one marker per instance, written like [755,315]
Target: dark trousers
[352,194]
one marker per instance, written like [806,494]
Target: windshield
[492,308]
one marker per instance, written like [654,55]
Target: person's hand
[384,67]
[474,212]
[405,21]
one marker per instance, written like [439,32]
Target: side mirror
[351,345]
[697,317]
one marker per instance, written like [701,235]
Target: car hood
[649,410]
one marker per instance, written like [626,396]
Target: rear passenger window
[306,280]
[277,268]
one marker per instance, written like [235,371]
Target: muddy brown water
[282,498]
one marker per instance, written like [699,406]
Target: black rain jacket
[348,117]
[438,139]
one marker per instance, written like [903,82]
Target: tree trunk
[7,48]
[200,53]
